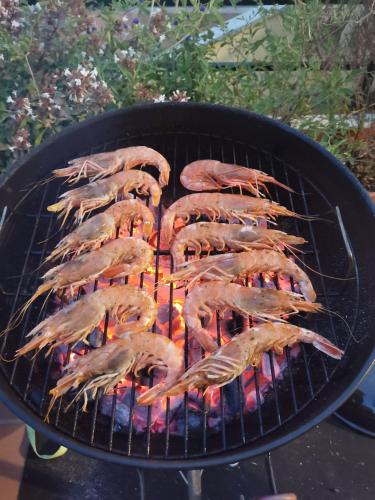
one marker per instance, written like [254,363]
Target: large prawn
[245,349]
[232,207]
[100,165]
[106,366]
[76,321]
[116,259]
[211,175]
[214,235]
[100,193]
[261,303]
[102,227]
[229,266]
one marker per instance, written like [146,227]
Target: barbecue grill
[341,241]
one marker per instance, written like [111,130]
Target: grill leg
[194,483]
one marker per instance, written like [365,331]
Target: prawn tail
[306,306]
[57,207]
[65,172]
[38,342]
[151,395]
[205,340]
[280,184]
[63,386]
[324,345]
[64,206]
[167,224]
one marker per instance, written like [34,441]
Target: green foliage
[62,61]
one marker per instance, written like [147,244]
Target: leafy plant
[62,61]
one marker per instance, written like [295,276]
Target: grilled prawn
[232,207]
[102,227]
[227,267]
[245,349]
[262,303]
[100,193]
[211,175]
[116,259]
[214,235]
[106,366]
[101,165]
[76,321]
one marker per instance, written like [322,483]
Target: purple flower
[126,26]
[136,20]
[202,8]
[188,38]
[175,22]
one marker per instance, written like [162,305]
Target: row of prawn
[260,250]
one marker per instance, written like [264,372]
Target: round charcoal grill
[341,244]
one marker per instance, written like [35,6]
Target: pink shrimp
[227,267]
[266,304]
[116,259]
[101,165]
[228,362]
[211,175]
[100,193]
[232,207]
[76,321]
[106,366]
[102,227]
[237,237]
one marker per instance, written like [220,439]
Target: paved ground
[329,462]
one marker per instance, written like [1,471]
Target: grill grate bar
[157,259]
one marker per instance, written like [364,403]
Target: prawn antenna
[19,315]
[330,312]
[290,249]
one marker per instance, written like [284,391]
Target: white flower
[95,85]
[161,98]
[162,38]
[45,95]
[57,106]
[84,72]
[94,73]
[15,24]
[26,103]
[2,57]
[83,54]
[78,82]
[10,100]
[116,58]
[169,26]
[101,51]
[35,8]
[131,52]
[67,72]
[12,148]
[125,19]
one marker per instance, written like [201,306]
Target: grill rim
[274,439]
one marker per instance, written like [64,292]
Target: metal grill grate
[328,252]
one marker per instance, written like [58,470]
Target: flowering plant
[62,60]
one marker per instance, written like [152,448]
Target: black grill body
[341,244]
